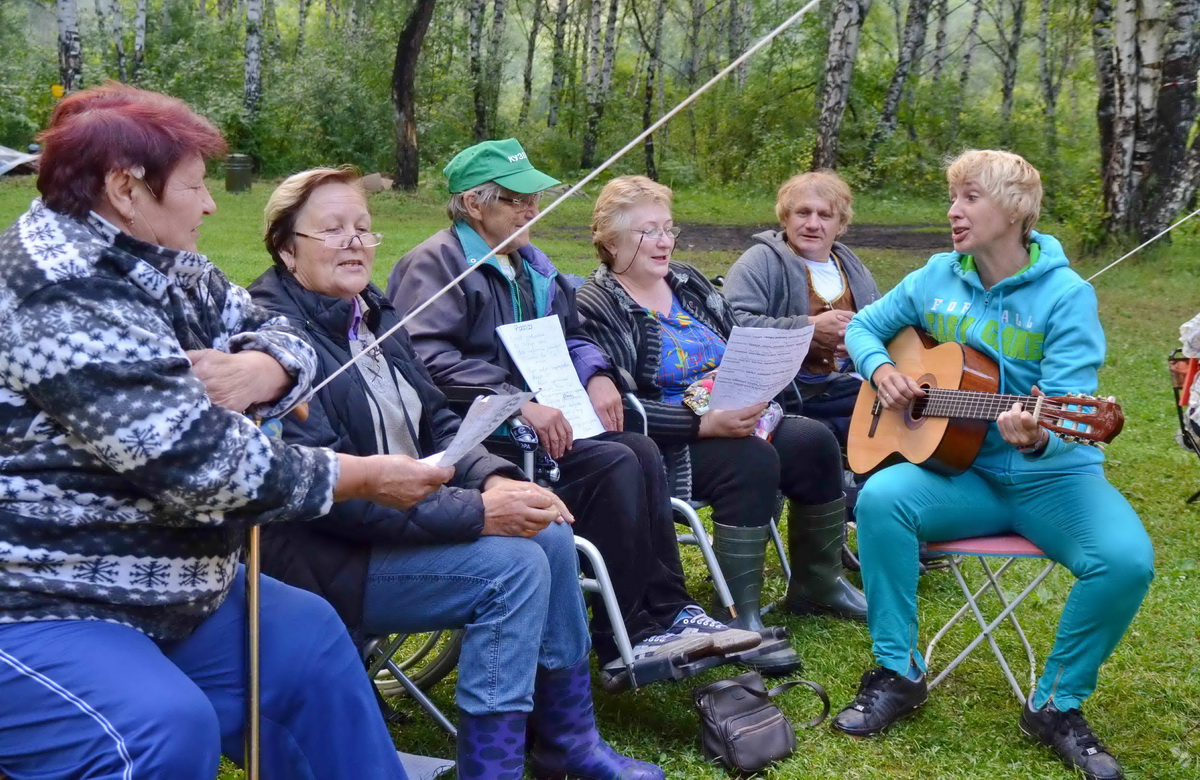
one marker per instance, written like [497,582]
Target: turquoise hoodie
[1040,325]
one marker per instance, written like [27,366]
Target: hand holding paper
[540,352]
[758,364]
[486,414]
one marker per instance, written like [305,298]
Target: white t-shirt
[826,278]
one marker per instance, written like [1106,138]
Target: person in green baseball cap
[614,483]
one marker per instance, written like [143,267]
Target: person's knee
[1129,567]
[178,735]
[757,464]
[877,507]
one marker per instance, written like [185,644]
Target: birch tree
[252,72]
[1146,65]
[964,71]
[70,46]
[475,67]
[527,79]
[301,25]
[1008,18]
[139,41]
[558,62]
[1060,32]
[839,70]
[404,74]
[599,81]
[914,35]
[494,66]
[110,18]
[941,11]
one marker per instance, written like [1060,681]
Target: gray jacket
[768,285]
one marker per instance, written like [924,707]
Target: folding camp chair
[1183,376]
[643,672]
[1010,547]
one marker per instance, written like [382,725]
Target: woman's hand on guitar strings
[895,389]
[1018,428]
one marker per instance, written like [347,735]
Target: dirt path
[726,238]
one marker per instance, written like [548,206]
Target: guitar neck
[969,404]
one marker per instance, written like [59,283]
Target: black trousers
[616,486]
[740,477]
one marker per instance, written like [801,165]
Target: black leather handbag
[742,728]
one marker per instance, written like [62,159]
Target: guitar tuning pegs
[1099,444]
[1112,399]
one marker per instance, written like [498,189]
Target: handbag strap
[722,685]
[817,689]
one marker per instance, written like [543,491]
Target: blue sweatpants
[1078,519]
[86,699]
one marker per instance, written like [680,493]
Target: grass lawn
[1148,704]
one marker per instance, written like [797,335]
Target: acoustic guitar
[944,430]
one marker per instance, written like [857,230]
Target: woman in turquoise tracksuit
[1008,292]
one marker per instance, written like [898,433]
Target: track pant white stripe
[80,704]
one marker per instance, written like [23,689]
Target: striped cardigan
[632,338]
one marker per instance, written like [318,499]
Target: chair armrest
[464,394]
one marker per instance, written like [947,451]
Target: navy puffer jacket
[330,556]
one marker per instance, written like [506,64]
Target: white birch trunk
[475,66]
[253,50]
[535,28]
[558,62]
[301,24]
[494,68]
[942,11]
[70,46]
[964,73]
[139,41]
[914,34]
[839,70]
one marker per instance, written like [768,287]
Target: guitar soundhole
[917,409]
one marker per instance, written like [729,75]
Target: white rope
[578,186]
[1143,246]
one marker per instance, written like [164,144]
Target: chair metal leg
[962,611]
[988,628]
[700,537]
[252,737]
[1016,624]
[602,585]
[383,660]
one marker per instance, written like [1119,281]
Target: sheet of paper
[540,352]
[758,363]
[486,414]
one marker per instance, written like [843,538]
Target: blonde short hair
[824,184]
[1008,178]
[611,214]
[289,198]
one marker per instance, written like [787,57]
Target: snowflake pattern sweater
[124,494]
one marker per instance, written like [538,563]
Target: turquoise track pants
[1078,519]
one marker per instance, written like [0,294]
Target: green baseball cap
[503,162]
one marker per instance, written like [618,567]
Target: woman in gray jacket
[802,274]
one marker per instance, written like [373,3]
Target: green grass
[1148,704]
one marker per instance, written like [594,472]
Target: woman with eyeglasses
[665,324]
[490,551]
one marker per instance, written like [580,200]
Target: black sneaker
[1070,736]
[884,697]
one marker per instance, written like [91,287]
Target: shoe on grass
[884,697]
[694,622]
[1070,736]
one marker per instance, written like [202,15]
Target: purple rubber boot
[491,747]
[563,727]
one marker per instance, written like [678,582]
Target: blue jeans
[1078,519]
[87,699]
[518,599]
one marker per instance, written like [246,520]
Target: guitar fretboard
[971,404]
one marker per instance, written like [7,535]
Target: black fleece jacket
[330,556]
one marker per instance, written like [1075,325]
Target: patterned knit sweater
[124,494]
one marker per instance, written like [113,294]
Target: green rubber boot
[741,552]
[818,584]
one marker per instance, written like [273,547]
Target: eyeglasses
[525,203]
[343,241]
[654,233]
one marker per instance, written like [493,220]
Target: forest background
[1100,96]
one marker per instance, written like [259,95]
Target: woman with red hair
[128,474]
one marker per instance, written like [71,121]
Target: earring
[1012,222]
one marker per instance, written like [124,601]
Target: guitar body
[880,437]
